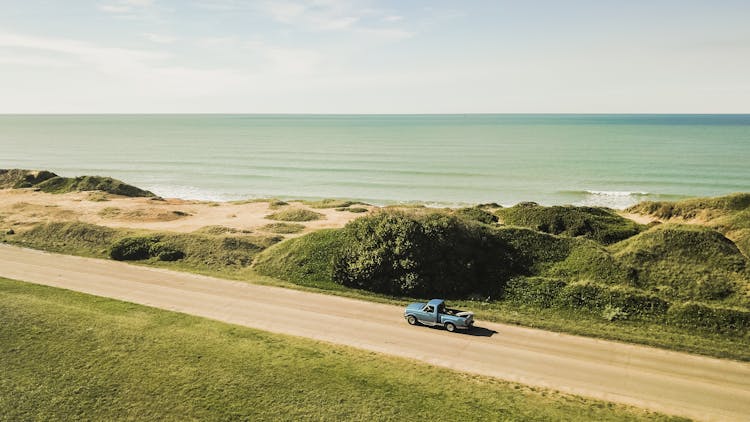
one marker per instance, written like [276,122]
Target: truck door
[429,314]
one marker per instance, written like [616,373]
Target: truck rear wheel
[411,319]
[450,327]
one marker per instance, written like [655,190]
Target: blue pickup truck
[435,313]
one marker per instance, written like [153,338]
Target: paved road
[675,383]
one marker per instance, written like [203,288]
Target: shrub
[332,203]
[423,255]
[283,228]
[477,214]
[165,252]
[599,224]
[133,248]
[705,317]
[296,214]
[535,291]
[353,209]
[276,204]
[613,313]
[596,297]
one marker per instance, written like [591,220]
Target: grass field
[70,356]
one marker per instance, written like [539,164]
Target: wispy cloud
[160,38]
[125,6]
[337,15]
[129,66]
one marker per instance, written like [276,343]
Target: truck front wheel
[411,319]
[450,327]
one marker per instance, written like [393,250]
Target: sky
[361,56]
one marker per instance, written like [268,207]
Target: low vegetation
[332,203]
[730,215]
[405,255]
[17,178]
[283,228]
[295,214]
[477,214]
[671,285]
[599,224]
[49,182]
[685,281]
[101,359]
[221,251]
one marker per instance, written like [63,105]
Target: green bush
[596,297]
[709,318]
[165,252]
[599,224]
[295,214]
[423,255]
[535,251]
[133,248]
[535,291]
[477,214]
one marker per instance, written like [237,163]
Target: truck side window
[429,309]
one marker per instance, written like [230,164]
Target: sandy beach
[23,208]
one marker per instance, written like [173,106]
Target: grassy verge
[66,355]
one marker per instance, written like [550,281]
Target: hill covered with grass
[730,215]
[562,257]
[49,182]
[600,224]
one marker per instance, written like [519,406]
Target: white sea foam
[612,199]
[615,193]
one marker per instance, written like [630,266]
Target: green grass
[729,214]
[599,224]
[222,253]
[70,356]
[332,203]
[91,183]
[356,210]
[18,178]
[295,214]
[687,262]
[308,260]
[283,228]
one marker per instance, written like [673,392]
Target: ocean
[441,160]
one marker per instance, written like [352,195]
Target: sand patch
[23,207]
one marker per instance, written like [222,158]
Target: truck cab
[435,313]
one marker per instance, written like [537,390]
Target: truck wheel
[450,327]
[411,319]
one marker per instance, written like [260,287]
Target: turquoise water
[612,160]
